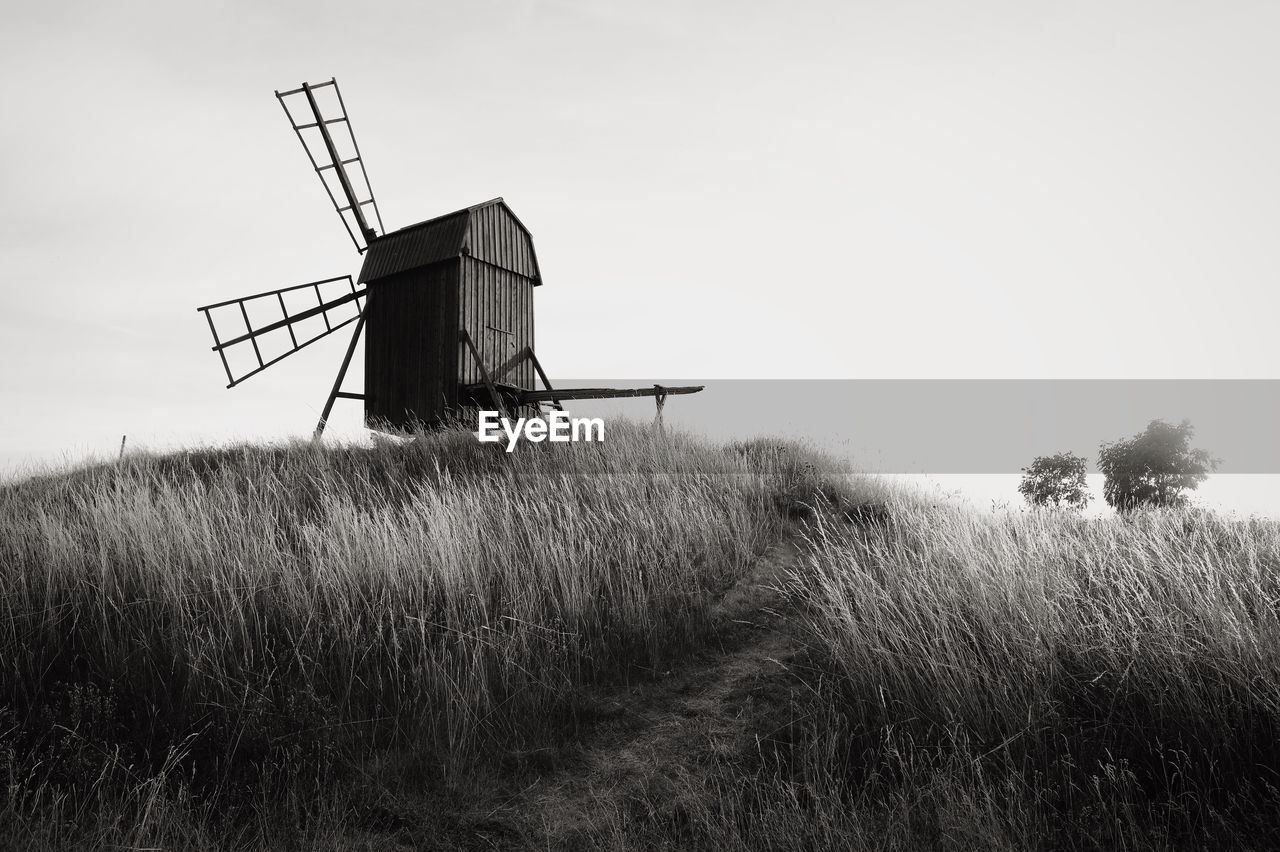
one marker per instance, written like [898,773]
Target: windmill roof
[490,231]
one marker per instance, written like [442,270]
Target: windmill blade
[331,146]
[292,320]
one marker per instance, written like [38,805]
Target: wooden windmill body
[445,306]
[436,290]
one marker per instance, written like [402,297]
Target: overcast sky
[716,190]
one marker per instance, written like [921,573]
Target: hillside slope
[651,643]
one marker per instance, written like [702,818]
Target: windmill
[445,305]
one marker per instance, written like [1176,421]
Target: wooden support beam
[337,383]
[494,396]
[511,364]
[604,393]
[546,383]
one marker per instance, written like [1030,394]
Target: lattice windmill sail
[331,135]
[446,305]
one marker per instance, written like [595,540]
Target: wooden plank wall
[496,237]
[493,298]
[411,328]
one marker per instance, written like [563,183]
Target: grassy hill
[647,643]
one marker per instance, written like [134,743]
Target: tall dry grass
[250,616]
[1043,680]
[1026,681]
[203,650]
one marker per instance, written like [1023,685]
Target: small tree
[1057,480]
[1153,468]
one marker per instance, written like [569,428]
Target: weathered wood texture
[411,353]
[489,232]
[497,311]
[497,237]
[418,245]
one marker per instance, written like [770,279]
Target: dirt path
[664,739]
